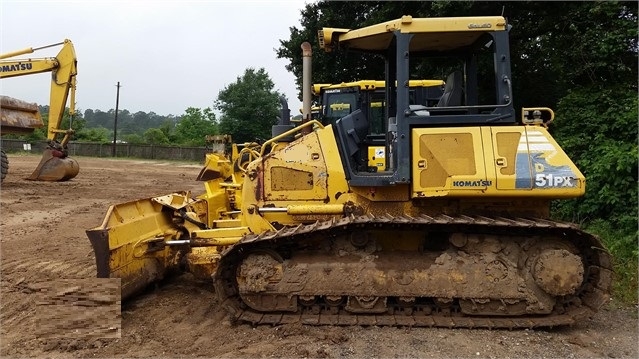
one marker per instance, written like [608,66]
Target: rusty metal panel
[17,116]
[298,172]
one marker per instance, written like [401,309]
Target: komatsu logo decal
[16,67]
[476,183]
[485,25]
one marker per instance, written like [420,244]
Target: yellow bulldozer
[20,117]
[454,231]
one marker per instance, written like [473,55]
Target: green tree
[168,129]
[38,134]
[194,125]
[134,138]
[598,128]
[155,136]
[597,112]
[249,107]
[126,123]
[95,134]
[99,118]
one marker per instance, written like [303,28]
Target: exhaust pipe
[307,56]
[285,122]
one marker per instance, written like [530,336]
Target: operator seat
[452,91]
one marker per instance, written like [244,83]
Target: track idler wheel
[558,272]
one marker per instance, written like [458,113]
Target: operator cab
[339,100]
[471,54]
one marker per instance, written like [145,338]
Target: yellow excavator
[21,117]
[454,231]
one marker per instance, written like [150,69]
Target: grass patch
[621,240]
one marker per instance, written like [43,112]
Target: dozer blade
[53,167]
[130,244]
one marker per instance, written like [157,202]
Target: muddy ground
[51,307]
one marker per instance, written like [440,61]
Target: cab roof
[430,34]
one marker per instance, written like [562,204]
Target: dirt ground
[51,307]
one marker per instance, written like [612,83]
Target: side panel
[499,161]
[297,172]
[303,181]
[448,160]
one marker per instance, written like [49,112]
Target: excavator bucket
[54,166]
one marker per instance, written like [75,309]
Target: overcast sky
[167,55]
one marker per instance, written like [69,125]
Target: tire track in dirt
[34,268]
[21,278]
[44,247]
[14,312]
[187,305]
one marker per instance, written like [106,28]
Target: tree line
[248,108]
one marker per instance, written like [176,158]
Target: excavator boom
[55,164]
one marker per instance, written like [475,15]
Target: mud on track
[52,306]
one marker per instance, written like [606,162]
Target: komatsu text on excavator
[21,117]
[454,230]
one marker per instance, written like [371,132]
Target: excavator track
[587,296]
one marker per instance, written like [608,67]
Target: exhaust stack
[307,54]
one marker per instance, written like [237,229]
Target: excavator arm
[55,164]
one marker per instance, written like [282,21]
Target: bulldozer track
[592,294]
